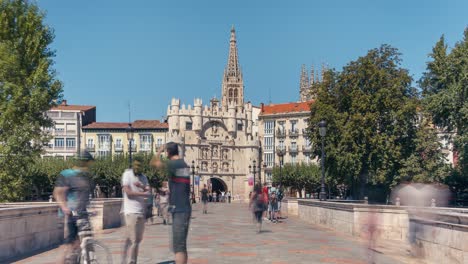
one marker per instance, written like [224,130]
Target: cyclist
[72,191]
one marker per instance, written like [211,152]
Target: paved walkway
[227,235]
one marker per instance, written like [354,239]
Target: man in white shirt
[135,190]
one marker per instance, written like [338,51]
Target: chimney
[64,102]
[261,106]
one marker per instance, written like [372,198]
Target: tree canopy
[28,88]
[371,111]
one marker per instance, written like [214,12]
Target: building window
[90,143]
[269,177]
[293,158]
[145,142]
[294,146]
[159,142]
[269,127]
[59,143]
[293,125]
[240,126]
[281,144]
[269,159]
[281,126]
[307,158]
[268,143]
[118,143]
[104,142]
[71,143]
[188,125]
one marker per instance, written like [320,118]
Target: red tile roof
[138,124]
[82,108]
[285,108]
[149,124]
[106,125]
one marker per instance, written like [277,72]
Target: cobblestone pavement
[227,235]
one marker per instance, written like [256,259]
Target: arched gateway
[218,185]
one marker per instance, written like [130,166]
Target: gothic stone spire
[304,84]
[233,84]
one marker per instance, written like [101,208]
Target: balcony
[91,148]
[280,150]
[145,146]
[306,148]
[294,133]
[280,133]
[293,149]
[104,146]
[118,147]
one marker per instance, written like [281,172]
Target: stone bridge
[312,232]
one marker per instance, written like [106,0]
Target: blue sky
[113,52]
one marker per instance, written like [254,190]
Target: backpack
[280,195]
[259,203]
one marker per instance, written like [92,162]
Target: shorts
[76,226]
[180,228]
[204,201]
[149,211]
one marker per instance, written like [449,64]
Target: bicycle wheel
[97,253]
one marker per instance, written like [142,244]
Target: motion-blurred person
[266,213]
[280,199]
[204,198]
[274,207]
[257,205]
[179,198]
[135,190]
[164,202]
[72,190]
[149,207]
[229,196]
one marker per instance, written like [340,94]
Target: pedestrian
[265,196]
[210,197]
[257,205]
[214,197]
[163,202]
[274,207]
[223,197]
[280,199]
[204,198]
[157,203]
[229,196]
[72,190]
[149,207]
[135,190]
[179,198]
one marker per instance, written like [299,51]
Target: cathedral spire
[233,68]
[233,85]
[304,83]
[312,75]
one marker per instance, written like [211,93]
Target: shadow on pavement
[167,262]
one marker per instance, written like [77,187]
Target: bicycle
[91,250]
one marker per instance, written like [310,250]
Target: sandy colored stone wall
[26,229]
[443,235]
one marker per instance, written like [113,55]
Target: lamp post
[280,152]
[253,170]
[130,131]
[323,131]
[193,180]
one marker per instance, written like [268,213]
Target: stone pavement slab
[227,234]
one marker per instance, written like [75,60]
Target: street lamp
[253,170]
[323,131]
[281,152]
[193,180]
[130,131]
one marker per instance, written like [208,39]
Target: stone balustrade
[29,227]
[443,236]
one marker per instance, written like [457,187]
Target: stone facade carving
[214,142]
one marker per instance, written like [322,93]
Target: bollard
[433,202]
[366,200]
[51,198]
[397,203]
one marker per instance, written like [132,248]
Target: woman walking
[257,205]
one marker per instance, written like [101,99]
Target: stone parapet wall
[443,235]
[29,227]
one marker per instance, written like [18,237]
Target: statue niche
[214,130]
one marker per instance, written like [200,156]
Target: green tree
[28,88]
[445,91]
[371,113]
[298,176]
